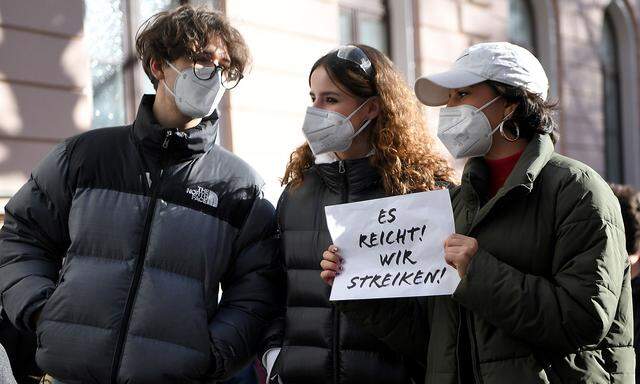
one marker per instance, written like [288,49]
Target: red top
[499,170]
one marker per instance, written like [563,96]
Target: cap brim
[433,90]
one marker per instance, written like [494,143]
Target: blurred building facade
[69,66]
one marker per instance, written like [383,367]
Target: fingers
[327,265]
[455,251]
[455,256]
[328,276]
[331,256]
[331,264]
[456,239]
[451,264]
[452,240]
[451,258]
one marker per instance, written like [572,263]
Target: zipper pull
[341,166]
[167,137]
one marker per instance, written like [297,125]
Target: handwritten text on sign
[393,247]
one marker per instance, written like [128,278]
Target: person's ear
[373,108]
[156,69]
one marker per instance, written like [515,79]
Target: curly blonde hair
[404,150]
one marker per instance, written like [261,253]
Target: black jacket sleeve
[250,293]
[275,331]
[34,238]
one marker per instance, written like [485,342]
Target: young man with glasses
[113,251]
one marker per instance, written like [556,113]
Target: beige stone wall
[43,72]
[581,98]
[268,107]
[583,119]
[445,29]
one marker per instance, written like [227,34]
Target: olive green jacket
[547,297]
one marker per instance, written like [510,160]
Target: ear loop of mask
[500,126]
[366,123]
[174,95]
[485,106]
[488,103]
[164,82]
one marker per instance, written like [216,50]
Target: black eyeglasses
[230,77]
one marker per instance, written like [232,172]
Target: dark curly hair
[629,199]
[532,114]
[185,32]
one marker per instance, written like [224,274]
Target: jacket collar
[526,171]
[475,178]
[358,174]
[179,144]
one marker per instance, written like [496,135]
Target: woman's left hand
[458,251]
[331,264]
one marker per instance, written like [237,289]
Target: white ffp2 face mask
[328,131]
[195,97]
[465,130]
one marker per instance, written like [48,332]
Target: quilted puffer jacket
[122,237]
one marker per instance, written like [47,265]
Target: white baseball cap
[501,61]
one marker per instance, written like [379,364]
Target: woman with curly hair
[366,139]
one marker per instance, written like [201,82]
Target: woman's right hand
[331,264]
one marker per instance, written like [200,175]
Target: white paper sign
[393,247]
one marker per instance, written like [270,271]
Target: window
[610,59]
[117,79]
[364,22]
[522,29]
[148,8]
[104,29]
[533,24]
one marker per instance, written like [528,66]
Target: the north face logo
[203,196]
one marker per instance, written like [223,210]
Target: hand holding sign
[458,251]
[331,264]
[394,247]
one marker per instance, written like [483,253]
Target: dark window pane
[609,54]
[346,26]
[521,24]
[364,22]
[373,32]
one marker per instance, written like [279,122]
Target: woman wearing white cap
[540,248]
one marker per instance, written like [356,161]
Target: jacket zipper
[469,317]
[336,315]
[279,208]
[137,274]
[473,349]
[458,344]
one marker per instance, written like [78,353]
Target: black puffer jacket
[149,222]
[319,344]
